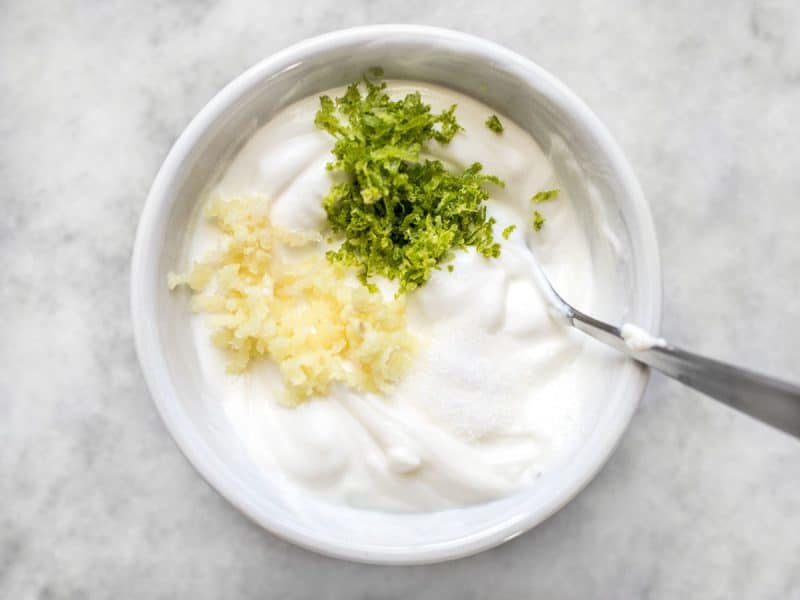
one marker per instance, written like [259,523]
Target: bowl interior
[588,164]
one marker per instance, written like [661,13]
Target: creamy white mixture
[638,339]
[498,394]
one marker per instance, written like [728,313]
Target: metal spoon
[768,399]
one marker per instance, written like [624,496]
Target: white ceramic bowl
[587,161]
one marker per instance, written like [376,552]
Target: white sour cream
[499,393]
[638,339]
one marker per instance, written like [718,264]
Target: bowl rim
[146,253]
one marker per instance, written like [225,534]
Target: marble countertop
[95,499]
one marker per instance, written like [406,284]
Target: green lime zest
[538,220]
[400,216]
[494,124]
[545,195]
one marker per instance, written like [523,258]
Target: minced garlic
[319,325]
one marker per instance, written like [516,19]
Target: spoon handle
[768,399]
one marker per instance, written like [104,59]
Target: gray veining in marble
[96,501]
